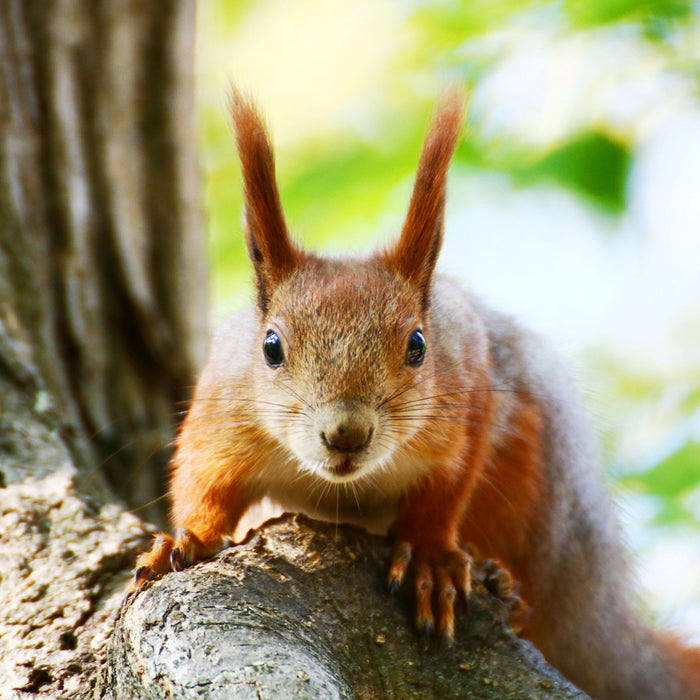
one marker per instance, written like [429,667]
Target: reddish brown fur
[506,503]
[272,252]
[453,461]
[432,514]
[415,254]
[687,660]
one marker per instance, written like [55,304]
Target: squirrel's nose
[347,438]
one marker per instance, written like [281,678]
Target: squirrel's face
[343,367]
[343,352]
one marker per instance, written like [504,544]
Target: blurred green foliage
[671,482]
[591,164]
[448,24]
[649,13]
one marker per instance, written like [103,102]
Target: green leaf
[448,23]
[675,476]
[595,12]
[591,163]
[672,480]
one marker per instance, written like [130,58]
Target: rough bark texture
[300,610]
[102,312]
[65,561]
[102,253]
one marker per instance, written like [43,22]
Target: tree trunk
[103,307]
[103,254]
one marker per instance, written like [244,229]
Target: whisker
[337,509]
[353,488]
[324,491]
[296,395]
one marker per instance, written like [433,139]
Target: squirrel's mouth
[344,471]
[345,468]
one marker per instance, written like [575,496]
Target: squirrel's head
[344,367]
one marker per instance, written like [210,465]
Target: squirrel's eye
[272,349]
[415,354]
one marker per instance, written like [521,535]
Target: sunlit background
[574,199]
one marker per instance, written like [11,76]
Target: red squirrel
[377,392]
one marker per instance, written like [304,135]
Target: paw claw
[168,554]
[447,637]
[400,560]
[141,575]
[177,559]
[425,629]
[440,577]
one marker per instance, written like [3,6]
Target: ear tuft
[415,253]
[270,248]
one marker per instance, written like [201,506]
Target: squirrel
[377,392]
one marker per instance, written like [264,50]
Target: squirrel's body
[373,392]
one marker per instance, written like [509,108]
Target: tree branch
[300,609]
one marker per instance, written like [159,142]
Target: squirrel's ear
[414,255]
[270,248]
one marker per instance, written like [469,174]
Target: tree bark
[102,265]
[103,309]
[300,610]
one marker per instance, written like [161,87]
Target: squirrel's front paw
[168,554]
[499,582]
[439,573]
